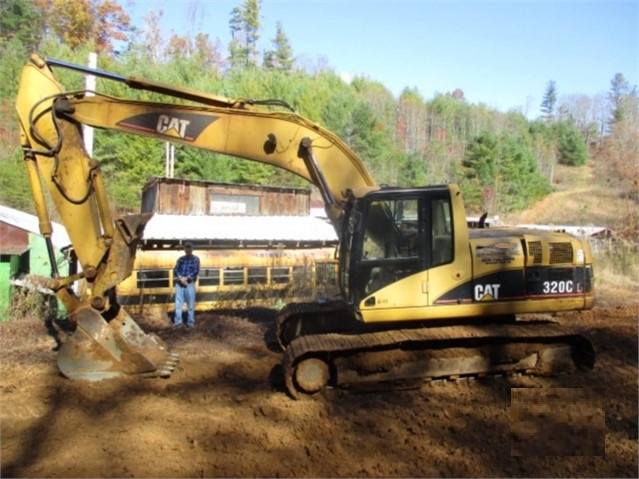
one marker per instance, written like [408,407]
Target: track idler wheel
[311,375]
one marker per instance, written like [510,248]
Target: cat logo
[172,126]
[487,292]
[183,125]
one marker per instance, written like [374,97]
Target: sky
[500,53]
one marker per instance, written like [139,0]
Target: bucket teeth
[166,369]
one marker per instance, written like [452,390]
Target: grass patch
[616,269]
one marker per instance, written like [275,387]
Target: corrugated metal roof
[216,228]
[239,228]
[30,223]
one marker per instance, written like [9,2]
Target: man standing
[185,274]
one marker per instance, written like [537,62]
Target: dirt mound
[223,413]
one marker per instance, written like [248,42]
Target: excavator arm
[107,342]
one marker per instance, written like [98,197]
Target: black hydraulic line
[87,70]
[55,273]
[184,93]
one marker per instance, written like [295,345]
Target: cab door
[401,236]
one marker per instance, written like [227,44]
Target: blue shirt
[188,266]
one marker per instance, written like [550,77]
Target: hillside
[582,197]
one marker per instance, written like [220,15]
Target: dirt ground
[224,413]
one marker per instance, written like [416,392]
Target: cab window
[441,232]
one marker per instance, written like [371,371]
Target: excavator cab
[391,234]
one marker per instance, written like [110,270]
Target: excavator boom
[238,127]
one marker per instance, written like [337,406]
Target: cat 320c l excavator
[423,296]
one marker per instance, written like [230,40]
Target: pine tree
[571,146]
[280,58]
[21,20]
[549,101]
[252,28]
[245,28]
[500,173]
[622,98]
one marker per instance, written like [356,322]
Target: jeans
[185,294]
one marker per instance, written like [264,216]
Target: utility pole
[169,151]
[89,82]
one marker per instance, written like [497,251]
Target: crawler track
[407,357]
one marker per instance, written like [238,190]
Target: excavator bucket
[99,349]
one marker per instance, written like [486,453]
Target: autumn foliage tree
[100,22]
[619,157]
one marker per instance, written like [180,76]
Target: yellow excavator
[423,295]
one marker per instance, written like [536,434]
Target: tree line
[502,160]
